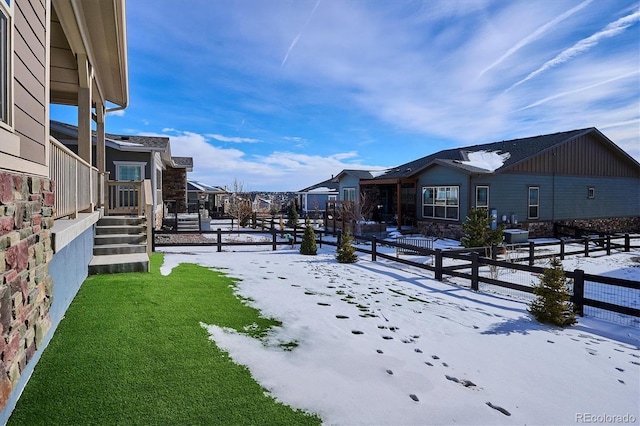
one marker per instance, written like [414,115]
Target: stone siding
[26,219]
[174,188]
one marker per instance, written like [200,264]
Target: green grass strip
[131,351]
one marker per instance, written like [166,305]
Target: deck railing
[124,197]
[76,181]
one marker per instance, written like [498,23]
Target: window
[129,171]
[5,64]
[349,194]
[441,202]
[591,192]
[332,197]
[482,197]
[534,202]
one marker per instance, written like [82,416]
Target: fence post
[438,271]
[295,233]
[373,248]
[494,252]
[561,249]
[608,245]
[339,237]
[578,291]
[320,232]
[586,247]
[532,252]
[627,243]
[273,239]
[219,239]
[474,271]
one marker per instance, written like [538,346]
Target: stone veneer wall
[174,187]
[26,219]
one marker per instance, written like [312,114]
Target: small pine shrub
[308,245]
[553,304]
[346,252]
[292,215]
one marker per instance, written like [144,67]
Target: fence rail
[77,182]
[483,272]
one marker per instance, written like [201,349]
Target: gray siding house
[136,158]
[313,199]
[579,177]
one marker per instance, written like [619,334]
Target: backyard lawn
[131,350]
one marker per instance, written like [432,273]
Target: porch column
[399,203]
[100,153]
[84,108]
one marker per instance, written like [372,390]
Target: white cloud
[278,170]
[233,139]
[116,113]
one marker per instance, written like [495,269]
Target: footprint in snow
[357,332]
[387,337]
[502,410]
[342,317]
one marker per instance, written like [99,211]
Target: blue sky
[282,94]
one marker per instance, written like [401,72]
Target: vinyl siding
[30,79]
[614,197]
[444,176]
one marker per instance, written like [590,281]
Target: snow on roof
[322,189]
[487,160]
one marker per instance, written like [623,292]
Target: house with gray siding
[136,158]
[67,52]
[313,199]
[578,177]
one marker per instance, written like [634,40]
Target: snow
[487,160]
[322,189]
[382,343]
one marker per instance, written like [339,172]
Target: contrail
[559,95]
[295,40]
[535,35]
[611,30]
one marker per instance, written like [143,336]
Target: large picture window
[534,202]
[129,171]
[441,202]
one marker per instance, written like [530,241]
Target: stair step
[119,229]
[106,249]
[120,220]
[119,239]
[119,263]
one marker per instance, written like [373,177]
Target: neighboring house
[174,183]
[136,158]
[579,177]
[66,52]
[313,199]
[349,183]
[212,197]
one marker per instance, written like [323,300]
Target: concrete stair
[188,223]
[119,246]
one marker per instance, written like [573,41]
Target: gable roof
[194,185]
[514,151]
[119,142]
[328,186]
[182,163]
[360,174]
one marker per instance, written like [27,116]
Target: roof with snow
[328,186]
[194,185]
[486,158]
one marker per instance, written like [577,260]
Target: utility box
[515,236]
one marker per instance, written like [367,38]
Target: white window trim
[482,186]
[529,205]
[141,164]
[438,202]
[349,189]
[7,10]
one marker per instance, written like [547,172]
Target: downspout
[399,204]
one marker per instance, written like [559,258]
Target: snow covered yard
[380,343]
